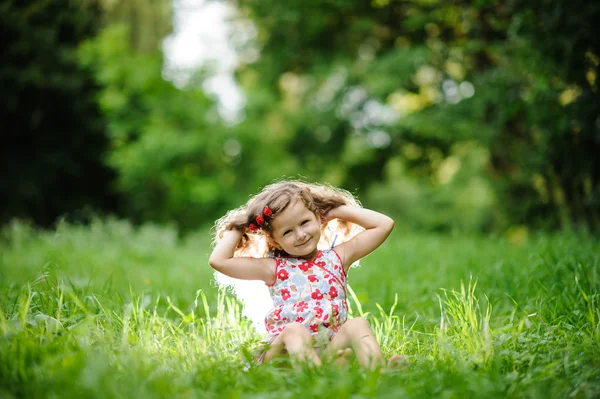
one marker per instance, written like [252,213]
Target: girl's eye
[286,232]
[306,221]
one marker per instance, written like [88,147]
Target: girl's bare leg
[297,342]
[356,334]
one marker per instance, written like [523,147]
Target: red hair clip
[261,220]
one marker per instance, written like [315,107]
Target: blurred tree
[363,84]
[443,112]
[546,152]
[175,161]
[53,138]
[149,21]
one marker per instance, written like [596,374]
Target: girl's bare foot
[342,357]
[397,362]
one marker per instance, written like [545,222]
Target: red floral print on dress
[301,306]
[282,274]
[319,313]
[336,309]
[330,279]
[305,266]
[308,289]
[317,294]
[333,293]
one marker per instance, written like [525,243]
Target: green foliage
[176,159]
[471,116]
[149,21]
[167,148]
[456,196]
[53,137]
[497,75]
[115,310]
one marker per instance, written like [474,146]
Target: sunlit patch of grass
[464,330]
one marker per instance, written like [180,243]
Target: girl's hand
[377,228]
[334,213]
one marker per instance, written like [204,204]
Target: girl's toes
[397,362]
[345,352]
[343,357]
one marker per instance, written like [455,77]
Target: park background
[474,124]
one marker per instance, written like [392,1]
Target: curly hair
[319,198]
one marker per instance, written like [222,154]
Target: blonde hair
[319,198]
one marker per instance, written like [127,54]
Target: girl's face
[297,230]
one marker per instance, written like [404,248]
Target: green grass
[109,310]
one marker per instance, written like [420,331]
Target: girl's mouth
[304,243]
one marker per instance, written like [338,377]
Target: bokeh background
[476,116]
[127,127]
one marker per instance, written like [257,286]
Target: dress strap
[334,240]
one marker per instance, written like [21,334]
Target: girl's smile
[304,243]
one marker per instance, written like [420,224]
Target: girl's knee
[296,329]
[358,323]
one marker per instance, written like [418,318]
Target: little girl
[285,236]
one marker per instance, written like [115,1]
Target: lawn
[111,310]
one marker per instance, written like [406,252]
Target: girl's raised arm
[377,228]
[222,260]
